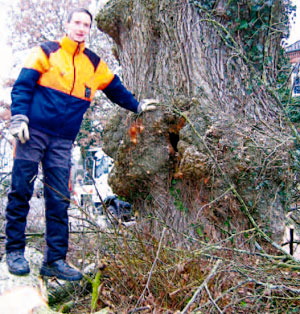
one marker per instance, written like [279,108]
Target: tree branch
[204,283]
[151,270]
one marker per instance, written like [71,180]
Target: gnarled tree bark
[216,134]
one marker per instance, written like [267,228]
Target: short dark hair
[82,10]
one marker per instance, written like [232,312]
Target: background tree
[32,23]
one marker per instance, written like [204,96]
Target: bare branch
[204,283]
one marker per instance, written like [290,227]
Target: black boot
[17,264]
[61,270]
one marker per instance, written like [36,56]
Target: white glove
[147,105]
[19,127]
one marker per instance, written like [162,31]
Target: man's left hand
[148,105]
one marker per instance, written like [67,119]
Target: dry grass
[143,274]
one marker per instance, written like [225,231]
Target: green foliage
[5,184]
[177,195]
[254,29]
[252,23]
[95,288]
[293,110]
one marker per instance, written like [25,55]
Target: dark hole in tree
[174,139]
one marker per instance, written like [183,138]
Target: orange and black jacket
[58,83]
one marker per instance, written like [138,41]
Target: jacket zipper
[74,70]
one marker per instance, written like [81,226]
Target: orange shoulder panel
[103,75]
[37,60]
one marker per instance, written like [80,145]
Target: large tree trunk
[217,145]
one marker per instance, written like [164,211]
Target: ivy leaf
[260,47]
[269,3]
[243,25]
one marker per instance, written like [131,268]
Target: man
[49,98]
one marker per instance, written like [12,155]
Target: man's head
[78,24]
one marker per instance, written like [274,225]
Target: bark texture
[211,132]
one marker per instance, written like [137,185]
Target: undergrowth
[143,274]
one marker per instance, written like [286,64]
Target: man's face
[79,26]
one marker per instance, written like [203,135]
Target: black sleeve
[118,94]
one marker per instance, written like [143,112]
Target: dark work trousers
[54,153]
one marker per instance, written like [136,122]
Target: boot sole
[45,271]
[19,272]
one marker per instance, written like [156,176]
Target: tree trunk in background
[216,129]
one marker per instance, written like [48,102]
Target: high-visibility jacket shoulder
[58,83]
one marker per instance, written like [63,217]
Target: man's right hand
[19,127]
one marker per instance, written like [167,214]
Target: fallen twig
[211,299]
[151,271]
[204,283]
